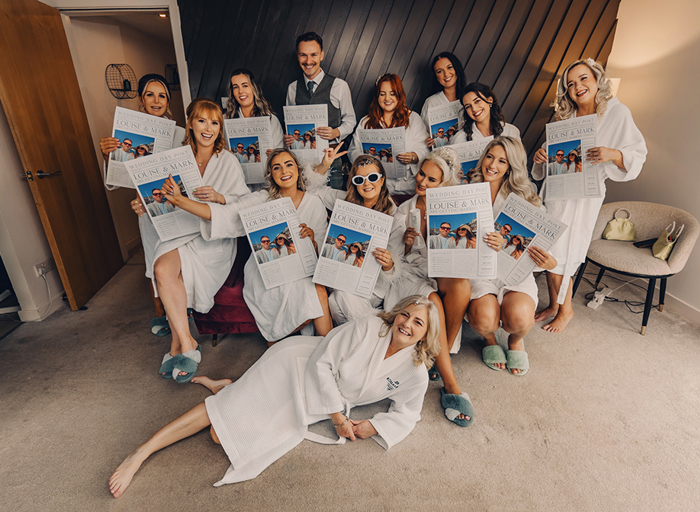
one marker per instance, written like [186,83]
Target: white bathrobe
[616,130]
[206,257]
[149,235]
[508,131]
[345,306]
[301,381]
[416,133]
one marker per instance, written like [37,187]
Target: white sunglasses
[372,177]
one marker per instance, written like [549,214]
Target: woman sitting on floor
[257,424]
[503,166]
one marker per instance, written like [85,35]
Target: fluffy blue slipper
[433,373]
[166,367]
[454,405]
[518,360]
[160,326]
[492,354]
[188,363]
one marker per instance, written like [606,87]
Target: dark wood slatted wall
[518,47]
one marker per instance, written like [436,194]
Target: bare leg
[484,317]
[157,303]
[443,360]
[172,292]
[517,314]
[564,312]
[186,425]
[323,324]
[455,294]
[553,284]
[212,385]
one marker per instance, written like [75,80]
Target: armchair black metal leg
[600,276]
[662,293]
[579,276]
[214,339]
[647,304]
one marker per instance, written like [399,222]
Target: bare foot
[212,385]
[546,314]
[517,345]
[502,366]
[121,478]
[560,321]
[456,391]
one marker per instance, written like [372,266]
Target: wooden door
[40,94]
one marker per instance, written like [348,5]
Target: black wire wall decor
[121,81]
[172,77]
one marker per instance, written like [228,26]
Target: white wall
[23,242]
[96,42]
[656,53]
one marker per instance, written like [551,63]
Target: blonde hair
[448,162]
[271,185]
[516,179]
[428,348]
[195,110]
[566,107]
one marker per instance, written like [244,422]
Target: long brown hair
[384,203]
[195,110]
[401,113]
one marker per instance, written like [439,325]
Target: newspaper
[459,218]
[445,121]
[139,135]
[522,224]
[346,262]
[249,139]
[273,232]
[469,154]
[570,176]
[149,173]
[385,144]
[302,121]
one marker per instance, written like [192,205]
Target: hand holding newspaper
[139,135]
[458,219]
[249,139]
[569,174]
[386,144]
[469,154]
[281,254]
[346,261]
[302,121]
[148,174]
[523,225]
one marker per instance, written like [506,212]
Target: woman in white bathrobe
[388,110]
[303,380]
[503,165]
[449,75]
[154,99]
[620,154]
[484,117]
[189,270]
[287,308]
[450,296]
[366,187]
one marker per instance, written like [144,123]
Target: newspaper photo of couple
[564,158]
[442,133]
[131,146]
[346,246]
[467,172]
[272,243]
[153,199]
[304,135]
[382,152]
[245,149]
[516,237]
[457,231]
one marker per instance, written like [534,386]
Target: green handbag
[663,246]
[620,229]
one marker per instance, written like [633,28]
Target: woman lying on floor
[349,367]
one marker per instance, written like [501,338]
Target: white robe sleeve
[277,135]
[618,131]
[416,133]
[397,248]
[355,148]
[322,393]
[228,223]
[403,414]
[316,184]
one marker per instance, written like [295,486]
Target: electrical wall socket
[44,267]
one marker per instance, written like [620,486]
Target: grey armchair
[649,220]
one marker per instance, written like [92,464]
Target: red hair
[401,114]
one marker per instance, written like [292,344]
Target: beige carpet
[606,420]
